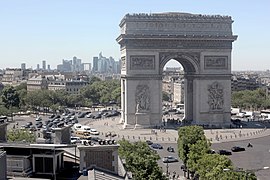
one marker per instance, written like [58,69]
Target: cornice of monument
[174,16]
[177,37]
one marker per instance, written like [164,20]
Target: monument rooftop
[175,23]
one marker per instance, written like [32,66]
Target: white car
[77,126]
[94,132]
[75,140]
[38,118]
[169,159]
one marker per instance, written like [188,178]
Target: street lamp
[167,166]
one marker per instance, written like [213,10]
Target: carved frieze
[215,97]
[215,62]
[142,98]
[175,44]
[143,62]
[123,62]
[180,27]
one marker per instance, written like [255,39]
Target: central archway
[200,43]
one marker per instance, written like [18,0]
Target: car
[169,159]
[32,128]
[170,149]
[81,115]
[224,152]
[156,146]
[38,118]
[75,140]
[237,149]
[97,116]
[96,139]
[89,115]
[39,122]
[211,151]
[29,124]
[149,142]
[112,134]
[39,125]
[94,132]
[52,116]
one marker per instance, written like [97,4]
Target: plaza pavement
[170,134]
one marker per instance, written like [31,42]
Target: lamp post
[167,166]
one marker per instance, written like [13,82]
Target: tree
[215,166]
[140,160]
[196,152]
[19,135]
[192,145]
[188,136]
[10,97]
[94,79]
[250,99]
[165,96]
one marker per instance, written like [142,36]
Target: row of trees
[97,92]
[194,150]
[140,160]
[247,99]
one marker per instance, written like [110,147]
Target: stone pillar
[3,165]
[188,98]
[62,135]
[3,132]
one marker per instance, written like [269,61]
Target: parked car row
[227,152]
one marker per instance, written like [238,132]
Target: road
[253,158]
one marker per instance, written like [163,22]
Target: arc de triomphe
[202,44]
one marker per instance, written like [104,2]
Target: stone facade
[202,44]
[3,165]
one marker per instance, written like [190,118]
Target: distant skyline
[36,30]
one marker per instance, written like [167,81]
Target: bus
[83,134]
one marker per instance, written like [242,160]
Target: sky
[52,30]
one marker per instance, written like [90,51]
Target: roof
[101,175]
[37,146]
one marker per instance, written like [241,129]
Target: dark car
[156,146]
[39,125]
[237,149]
[29,123]
[211,151]
[149,142]
[224,152]
[170,149]
[81,115]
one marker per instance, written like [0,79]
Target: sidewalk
[170,135]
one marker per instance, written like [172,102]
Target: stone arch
[202,44]
[190,62]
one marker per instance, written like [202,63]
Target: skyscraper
[95,64]
[23,66]
[44,65]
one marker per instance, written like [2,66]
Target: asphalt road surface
[253,159]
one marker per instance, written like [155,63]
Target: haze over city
[33,31]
